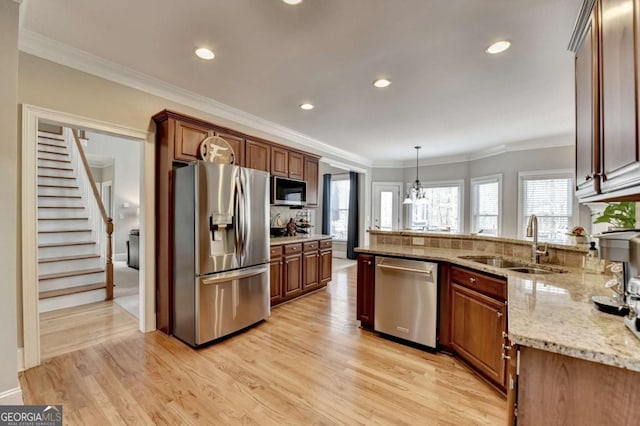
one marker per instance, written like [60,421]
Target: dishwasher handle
[402,268]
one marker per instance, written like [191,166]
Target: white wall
[9,214]
[127,172]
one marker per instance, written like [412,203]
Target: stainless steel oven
[406,299]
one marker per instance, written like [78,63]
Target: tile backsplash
[287,213]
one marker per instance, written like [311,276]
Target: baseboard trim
[21,359]
[340,254]
[11,397]
[121,257]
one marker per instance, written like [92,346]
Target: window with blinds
[440,209]
[339,209]
[486,202]
[550,198]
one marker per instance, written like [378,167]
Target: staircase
[71,271]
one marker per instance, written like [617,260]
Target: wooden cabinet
[237,145]
[276,274]
[292,281]
[478,319]
[311,169]
[310,267]
[605,41]
[279,161]
[296,165]
[188,137]
[365,289]
[326,260]
[257,155]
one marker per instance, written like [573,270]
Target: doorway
[32,183]
[386,205]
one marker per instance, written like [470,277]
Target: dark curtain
[326,204]
[353,228]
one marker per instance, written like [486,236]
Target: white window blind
[440,209]
[550,198]
[486,202]
[339,209]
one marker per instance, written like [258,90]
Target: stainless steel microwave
[288,192]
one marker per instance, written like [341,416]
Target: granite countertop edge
[562,320]
[276,241]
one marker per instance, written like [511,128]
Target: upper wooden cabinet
[188,137]
[237,144]
[258,155]
[279,161]
[605,41]
[296,165]
[311,176]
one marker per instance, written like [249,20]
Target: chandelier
[415,192]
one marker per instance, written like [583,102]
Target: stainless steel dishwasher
[406,299]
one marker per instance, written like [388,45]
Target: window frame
[546,174]
[474,199]
[460,183]
[335,178]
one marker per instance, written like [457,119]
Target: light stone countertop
[552,312]
[276,241]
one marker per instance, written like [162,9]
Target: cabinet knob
[472,280]
[499,314]
[504,335]
[368,262]
[505,356]
[506,347]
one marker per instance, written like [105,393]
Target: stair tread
[71,290]
[63,218]
[56,168]
[65,244]
[52,138]
[46,277]
[65,258]
[54,159]
[58,196]
[59,231]
[44,151]
[46,185]
[61,207]
[56,177]
[51,144]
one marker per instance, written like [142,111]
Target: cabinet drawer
[293,248]
[310,246]
[325,244]
[275,251]
[490,286]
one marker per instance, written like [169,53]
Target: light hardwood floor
[309,363]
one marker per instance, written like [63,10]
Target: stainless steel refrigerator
[220,252]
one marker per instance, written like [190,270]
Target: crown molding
[46,48]
[553,141]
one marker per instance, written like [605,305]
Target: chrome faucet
[532,231]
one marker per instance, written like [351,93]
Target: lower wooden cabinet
[365,290]
[477,327]
[299,268]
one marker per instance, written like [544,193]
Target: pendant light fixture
[415,191]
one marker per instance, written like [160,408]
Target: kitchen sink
[513,265]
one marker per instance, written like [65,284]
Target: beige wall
[9,260]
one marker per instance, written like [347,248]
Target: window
[339,208]
[486,205]
[548,195]
[440,209]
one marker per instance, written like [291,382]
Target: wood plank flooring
[309,363]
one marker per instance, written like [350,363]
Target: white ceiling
[447,94]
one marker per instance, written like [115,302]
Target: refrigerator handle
[236,219]
[245,217]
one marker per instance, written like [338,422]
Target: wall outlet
[417,241]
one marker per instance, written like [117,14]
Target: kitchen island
[575,362]
[299,265]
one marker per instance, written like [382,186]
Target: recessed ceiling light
[205,53]
[306,106]
[498,47]
[381,83]
[292,2]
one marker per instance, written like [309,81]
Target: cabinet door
[365,288]
[324,269]
[187,140]
[296,165]
[310,269]
[620,155]
[279,161]
[292,283]
[587,114]
[311,176]
[257,155]
[275,280]
[477,323]
[237,144]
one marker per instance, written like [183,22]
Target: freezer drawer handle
[235,275]
[401,268]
